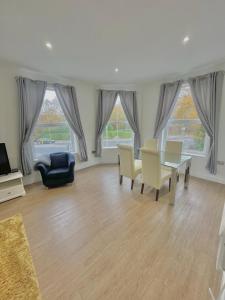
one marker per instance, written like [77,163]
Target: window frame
[72,135]
[164,136]
[102,137]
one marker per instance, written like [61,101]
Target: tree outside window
[184,125]
[117,130]
[52,132]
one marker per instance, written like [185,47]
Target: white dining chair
[174,147]
[128,166]
[151,144]
[153,173]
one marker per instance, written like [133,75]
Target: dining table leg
[187,174]
[173,186]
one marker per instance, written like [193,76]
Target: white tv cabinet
[11,186]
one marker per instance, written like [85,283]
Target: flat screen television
[4,160]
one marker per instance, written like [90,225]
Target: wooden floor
[98,240]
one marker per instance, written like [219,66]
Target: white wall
[150,96]
[9,112]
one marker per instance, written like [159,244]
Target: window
[117,130]
[52,132]
[184,125]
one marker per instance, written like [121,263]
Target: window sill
[38,159]
[106,148]
[195,154]
[184,153]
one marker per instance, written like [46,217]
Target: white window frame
[114,147]
[163,139]
[72,135]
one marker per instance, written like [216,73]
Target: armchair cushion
[58,173]
[59,160]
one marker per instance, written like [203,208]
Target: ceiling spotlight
[116,70]
[186,39]
[48,45]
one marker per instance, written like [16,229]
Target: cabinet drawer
[12,192]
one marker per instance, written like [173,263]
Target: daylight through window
[184,125]
[52,132]
[117,130]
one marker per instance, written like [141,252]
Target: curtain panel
[167,100]
[207,93]
[68,101]
[31,95]
[129,104]
[106,102]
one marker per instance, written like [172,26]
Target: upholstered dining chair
[151,144]
[153,173]
[128,166]
[174,147]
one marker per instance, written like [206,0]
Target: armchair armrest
[71,161]
[43,168]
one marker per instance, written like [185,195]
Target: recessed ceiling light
[48,45]
[186,39]
[116,70]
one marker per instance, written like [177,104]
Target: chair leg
[157,195]
[142,188]
[169,184]
[132,184]
[121,179]
[178,177]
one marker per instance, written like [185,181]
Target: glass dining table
[175,161]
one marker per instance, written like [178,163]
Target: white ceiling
[143,38]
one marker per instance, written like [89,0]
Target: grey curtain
[31,96]
[106,102]
[129,104]
[68,101]
[167,100]
[207,92]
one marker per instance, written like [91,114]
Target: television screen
[4,160]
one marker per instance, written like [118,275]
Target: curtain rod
[185,78]
[117,90]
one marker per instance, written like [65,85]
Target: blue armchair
[60,171]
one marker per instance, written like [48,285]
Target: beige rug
[17,274]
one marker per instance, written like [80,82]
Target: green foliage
[111,134]
[190,131]
[118,126]
[52,133]
[185,109]
[118,113]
